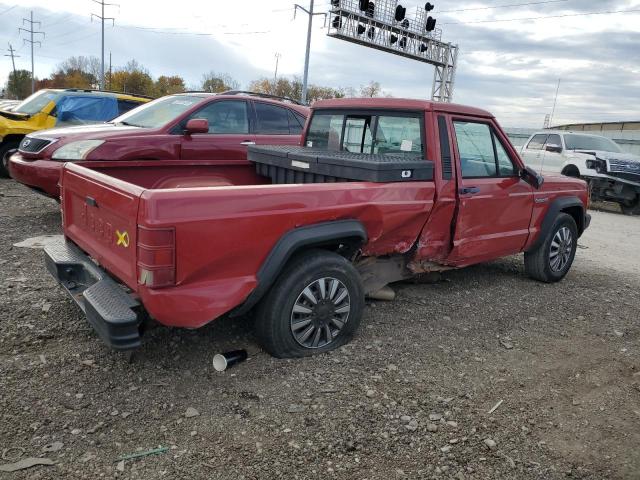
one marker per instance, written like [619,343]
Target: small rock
[405,418]
[128,431]
[452,424]
[294,408]
[412,426]
[120,466]
[446,449]
[191,412]
[434,417]
[76,431]
[370,393]
[618,333]
[53,447]
[46,307]
[432,427]
[507,345]
[490,444]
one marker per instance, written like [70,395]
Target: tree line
[84,73]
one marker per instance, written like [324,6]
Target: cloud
[510,68]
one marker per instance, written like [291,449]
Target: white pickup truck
[613,175]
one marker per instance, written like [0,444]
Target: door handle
[247,142]
[470,190]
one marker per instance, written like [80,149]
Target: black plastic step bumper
[108,308]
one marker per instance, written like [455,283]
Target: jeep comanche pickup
[381,190]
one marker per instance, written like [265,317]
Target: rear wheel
[6,150]
[551,261]
[315,306]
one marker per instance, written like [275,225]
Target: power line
[102,19]
[31,41]
[610,12]
[502,6]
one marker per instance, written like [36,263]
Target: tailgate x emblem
[123,238]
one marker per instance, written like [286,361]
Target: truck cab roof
[400,104]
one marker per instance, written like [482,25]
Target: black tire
[276,319]
[6,150]
[632,208]
[539,263]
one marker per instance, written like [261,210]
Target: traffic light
[428,7]
[403,42]
[363,4]
[335,3]
[371,32]
[337,22]
[405,23]
[431,24]
[401,12]
[423,47]
[370,9]
[361,29]
[393,39]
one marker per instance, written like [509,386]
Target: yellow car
[51,108]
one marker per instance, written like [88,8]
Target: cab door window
[537,141]
[481,153]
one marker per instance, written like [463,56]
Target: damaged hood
[622,165]
[602,155]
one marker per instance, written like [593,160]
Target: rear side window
[272,120]
[125,105]
[295,125]
[537,142]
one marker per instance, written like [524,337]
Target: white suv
[612,175]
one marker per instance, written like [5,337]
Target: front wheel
[551,260]
[6,150]
[631,208]
[315,306]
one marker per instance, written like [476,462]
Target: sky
[510,57]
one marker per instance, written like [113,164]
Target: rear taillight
[156,257]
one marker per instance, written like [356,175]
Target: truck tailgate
[100,216]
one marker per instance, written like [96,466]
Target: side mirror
[532,177]
[553,148]
[196,125]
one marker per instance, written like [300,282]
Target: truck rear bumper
[108,308]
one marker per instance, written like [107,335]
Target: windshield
[590,142]
[36,102]
[159,112]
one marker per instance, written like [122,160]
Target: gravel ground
[409,398]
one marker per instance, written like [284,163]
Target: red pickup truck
[381,190]
[186,126]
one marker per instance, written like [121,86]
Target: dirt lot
[409,398]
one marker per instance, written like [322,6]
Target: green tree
[168,85]
[218,82]
[133,78]
[19,84]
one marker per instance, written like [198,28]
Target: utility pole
[275,75]
[306,55]
[555,101]
[12,55]
[110,71]
[31,41]
[102,19]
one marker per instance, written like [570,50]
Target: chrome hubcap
[320,312]
[561,248]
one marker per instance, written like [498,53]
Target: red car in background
[191,127]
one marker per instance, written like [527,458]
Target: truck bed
[217,214]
